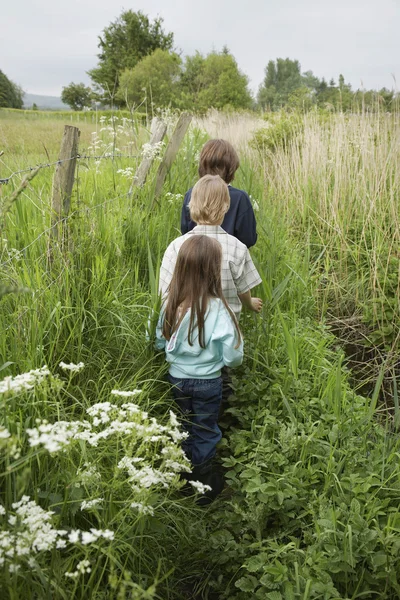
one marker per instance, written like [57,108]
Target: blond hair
[210,200]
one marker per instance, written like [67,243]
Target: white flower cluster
[126,394]
[104,141]
[72,367]
[89,475]
[145,476]
[55,437]
[171,198]
[14,254]
[169,117]
[95,503]
[143,509]
[4,433]
[128,172]
[151,151]
[76,536]
[201,488]
[255,204]
[23,382]
[129,422]
[32,532]
[81,568]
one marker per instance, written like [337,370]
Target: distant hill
[44,102]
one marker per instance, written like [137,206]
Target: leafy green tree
[282,77]
[123,44]
[301,99]
[327,95]
[11,95]
[155,78]
[214,81]
[345,94]
[77,96]
[191,78]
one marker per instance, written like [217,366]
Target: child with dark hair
[218,157]
[200,335]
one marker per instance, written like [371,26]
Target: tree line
[11,95]
[138,67]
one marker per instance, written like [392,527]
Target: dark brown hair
[196,279]
[219,157]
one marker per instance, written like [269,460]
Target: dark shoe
[209,475]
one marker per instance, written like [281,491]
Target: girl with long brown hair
[200,335]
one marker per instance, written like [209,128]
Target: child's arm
[233,357]
[228,337]
[254,304]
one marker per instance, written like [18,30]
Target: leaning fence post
[158,131]
[64,175]
[170,153]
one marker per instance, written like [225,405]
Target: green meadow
[90,501]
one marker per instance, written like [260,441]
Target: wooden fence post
[64,175]
[158,131]
[170,153]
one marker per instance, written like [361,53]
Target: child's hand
[256,304]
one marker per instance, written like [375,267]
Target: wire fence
[63,220]
[5,180]
[40,293]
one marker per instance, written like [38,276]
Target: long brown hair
[196,279]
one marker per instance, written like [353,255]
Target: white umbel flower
[72,367]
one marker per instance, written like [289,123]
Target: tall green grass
[311,507]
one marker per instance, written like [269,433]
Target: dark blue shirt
[239,220]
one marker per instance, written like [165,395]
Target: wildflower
[72,367]
[74,536]
[151,151]
[201,488]
[4,433]
[128,172]
[54,437]
[143,508]
[13,253]
[88,504]
[26,381]
[173,420]
[126,394]
[81,568]
[255,204]
[13,568]
[173,197]
[89,475]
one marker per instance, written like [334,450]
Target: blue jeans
[199,401]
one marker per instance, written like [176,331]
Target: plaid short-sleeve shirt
[238,273]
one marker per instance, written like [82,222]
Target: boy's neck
[210,224]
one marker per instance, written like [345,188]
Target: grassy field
[90,504]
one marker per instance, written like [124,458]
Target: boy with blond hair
[208,206]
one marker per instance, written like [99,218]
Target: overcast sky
[46,44]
